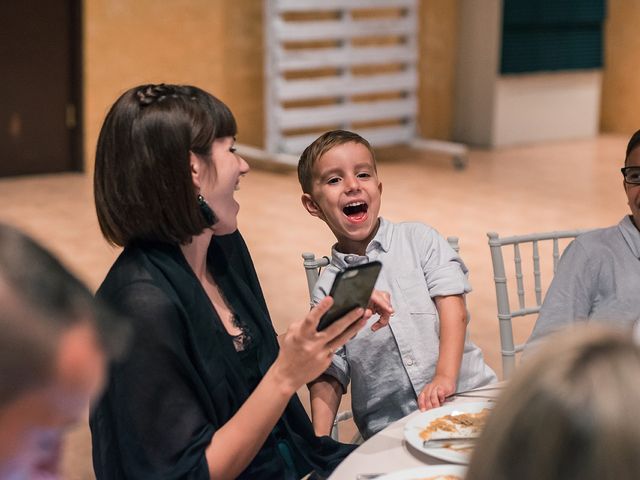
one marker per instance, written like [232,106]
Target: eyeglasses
[631,175]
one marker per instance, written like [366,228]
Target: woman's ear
[196,168]
[311,206]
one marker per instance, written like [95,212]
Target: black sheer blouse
[184,379]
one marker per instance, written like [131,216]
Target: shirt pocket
[414,291]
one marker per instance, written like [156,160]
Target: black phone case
[351,288]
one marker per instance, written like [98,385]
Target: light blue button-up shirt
[389,368]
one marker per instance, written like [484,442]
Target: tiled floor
[563,185]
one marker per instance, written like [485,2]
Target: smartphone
[351,288]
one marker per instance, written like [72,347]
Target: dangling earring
[206,211]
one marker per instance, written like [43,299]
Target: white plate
[417,424]
[426,472]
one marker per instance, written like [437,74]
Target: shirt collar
[630,234]
[380,242]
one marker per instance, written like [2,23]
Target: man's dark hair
[634,141]
[39,301]
[142,183]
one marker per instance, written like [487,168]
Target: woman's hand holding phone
[305,352]
[351,288]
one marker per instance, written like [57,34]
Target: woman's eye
[233,149]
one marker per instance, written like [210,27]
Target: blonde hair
[569,413]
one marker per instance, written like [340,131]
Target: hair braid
[150,94]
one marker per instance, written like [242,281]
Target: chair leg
[508,365]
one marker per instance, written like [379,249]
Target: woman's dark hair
[142,183]
[634,141]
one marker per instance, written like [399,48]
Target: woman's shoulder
[129,269]
[134,283]
[150,305]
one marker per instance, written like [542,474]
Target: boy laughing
[424,356]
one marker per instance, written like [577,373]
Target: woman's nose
[244,166]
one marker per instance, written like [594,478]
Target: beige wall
[210,43]
[218,46]
[620,110]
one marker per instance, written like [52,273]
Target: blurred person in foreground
[599,272]
[53,351]
[569,413]
[208,391]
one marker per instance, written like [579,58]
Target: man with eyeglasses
[598,276]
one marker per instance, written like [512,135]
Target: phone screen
[351,288]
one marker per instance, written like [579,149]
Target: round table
[387,451]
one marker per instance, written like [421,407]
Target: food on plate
[467,423]
[448,433]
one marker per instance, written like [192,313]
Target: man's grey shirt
[597,279]
[390,367]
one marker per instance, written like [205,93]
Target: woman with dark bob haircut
[206,391]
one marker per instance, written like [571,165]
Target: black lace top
[243,340]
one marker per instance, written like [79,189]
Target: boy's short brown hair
[322,145]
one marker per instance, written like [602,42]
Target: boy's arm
[326,393]
[453,328]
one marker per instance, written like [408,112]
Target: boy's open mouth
[356,210]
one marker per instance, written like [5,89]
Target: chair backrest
[312,267]
[535,242]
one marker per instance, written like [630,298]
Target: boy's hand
[380,303]
[434,393]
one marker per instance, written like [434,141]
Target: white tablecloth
[387,451]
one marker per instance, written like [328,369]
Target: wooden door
[40,87]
